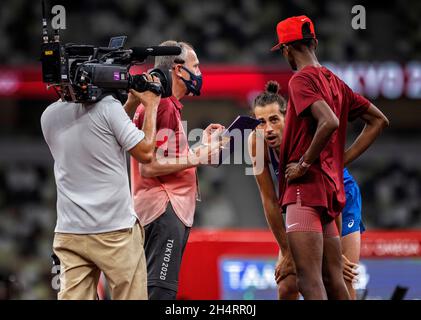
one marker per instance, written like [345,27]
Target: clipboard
[240,123]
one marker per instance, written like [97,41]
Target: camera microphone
[140,53]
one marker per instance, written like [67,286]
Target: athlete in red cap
[312,159]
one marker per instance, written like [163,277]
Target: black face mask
[194,84]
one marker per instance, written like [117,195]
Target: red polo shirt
[322,185]
[151,195]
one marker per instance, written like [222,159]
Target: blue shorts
[351,214]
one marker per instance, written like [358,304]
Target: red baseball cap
[291,29]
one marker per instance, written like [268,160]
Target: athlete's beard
[278,142]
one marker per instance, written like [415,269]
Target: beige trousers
[118,254]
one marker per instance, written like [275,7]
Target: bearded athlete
[312,159]
[269,107]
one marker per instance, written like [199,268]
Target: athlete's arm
[327,123]
[350,269]
[375,122]
[268,195]
[338,221]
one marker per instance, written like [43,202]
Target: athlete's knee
[309,282]
[328,281]
[332,274]
[336,289]
[333,281]
[287,288]
[288,292]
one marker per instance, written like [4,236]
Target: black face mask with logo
[194,84]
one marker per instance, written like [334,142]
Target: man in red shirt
[312,159]
[165,190]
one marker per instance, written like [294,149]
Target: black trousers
[165,241]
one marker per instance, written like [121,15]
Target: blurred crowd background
[231,31]
[237,32]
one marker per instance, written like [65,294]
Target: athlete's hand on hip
[294,171]
[350,270]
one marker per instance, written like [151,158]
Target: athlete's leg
[307,252]
[287,288]
[351,232]
[351,245]
[332,263]
[305,238]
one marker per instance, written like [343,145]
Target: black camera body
[83,73]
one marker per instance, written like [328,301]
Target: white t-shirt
[89,144]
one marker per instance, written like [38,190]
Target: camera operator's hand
[132,99]
[148,98]
[131,104]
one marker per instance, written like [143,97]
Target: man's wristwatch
[303,163]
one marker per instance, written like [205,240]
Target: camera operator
[97,228]
[165,190]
